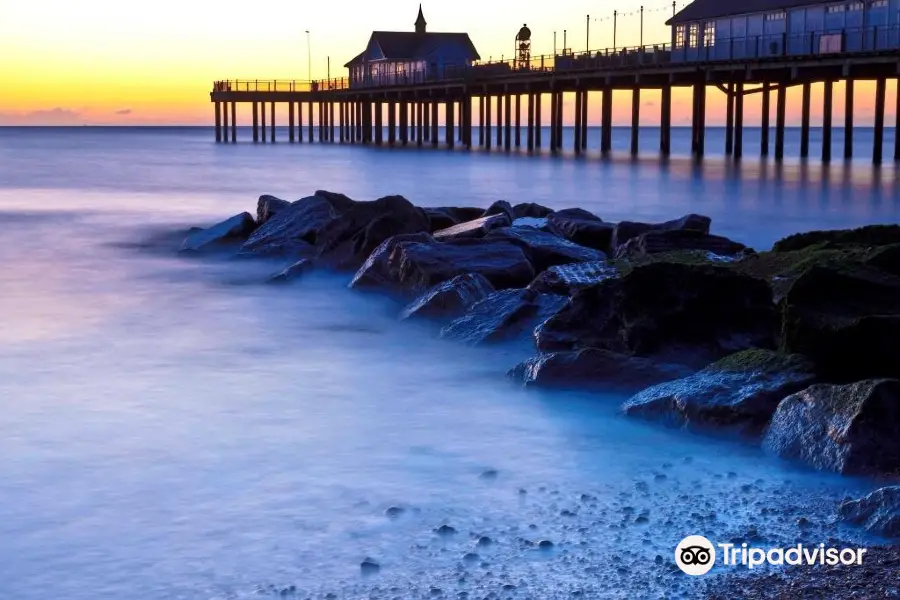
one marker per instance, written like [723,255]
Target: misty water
[174,428]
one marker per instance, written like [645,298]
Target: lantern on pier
[523,48]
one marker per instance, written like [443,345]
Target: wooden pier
[411,112]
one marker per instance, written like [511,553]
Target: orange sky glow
[96,62]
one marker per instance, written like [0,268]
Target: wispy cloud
[53,116]
[124,111]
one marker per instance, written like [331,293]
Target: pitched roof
[701,10]
[399,45]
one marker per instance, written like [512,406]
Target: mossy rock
[868,236]
[762,361]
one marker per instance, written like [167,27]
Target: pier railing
[846,41]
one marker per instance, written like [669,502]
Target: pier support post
[426,114]
[342,125]
[780,108]
[804,119]
[487,121]
[481,120]
[291,122]
[392,122]
[434,123]
[255,121]
[404,122]
[507,138]
[300,122]
[878,141]
[897,125]
[420,127]
[331,121]
[468,124]
[537,120]
[460,119]
[234,122]
[848,119]
[309,119]
[321,121]
[606,121]
[272,113]
[577,140]
[635,120]
[530,131]
[739,121]
[218,107]
[729,120]
[449,123]
[262,115]
[379,122]
[225,121]
[499,121]
[698,144]
[665,121]
[559,120]
[766,103]
[584,119]
[518,120]
[827,117]
[553,100]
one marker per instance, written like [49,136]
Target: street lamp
[308,58]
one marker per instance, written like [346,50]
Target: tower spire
[420,21]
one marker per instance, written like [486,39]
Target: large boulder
[339,202]
[500,207]
[221,235]
[568,279]
[268,206]
[376,270]
[739,392]
[346,241]
[291,231]
[502,315]
[582,228]
[293,272]
[546,250]
[878,513]
[866,237]
[658,242]
[847,319]
[685,313]
[531,210]
[627,230]
[849,429]
[451,298]
[593,367]
[443,217]
[477,228]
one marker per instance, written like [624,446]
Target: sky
[101,62]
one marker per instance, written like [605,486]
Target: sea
[175,428]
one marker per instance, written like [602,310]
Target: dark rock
[530,209]
[657,242]
[443,217]
[691,314]
[490,474]
[394,512]
[503,315]
[347,241]
[268,206]
[878,513]
[369,566]
[292,230]
[445,530]
[593,367]
[741,391]
[850,429]
[545,545]
[545,250]
[227,233]
[871,235]
[376,270]
[451,298]
[477,228]
[627,230]
[500,207]
[846,319]
[583,228]
[565,280]
[295,271]
[340,202]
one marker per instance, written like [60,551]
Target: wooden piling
[804,119]
[233,122]
[256,122]
[273,121]
[449,122]
[780,108]
[729,120]
[537,120]
[878,141]
[487,121]
[530,133]
[576,142]
[665,133]
[518,120]
[827,117]
[606,121]
[499,121]
[848,118]
[739,121]
[584,120]
[434,123]
[635,120]
[507,135]
[379,122]
[262,125]
[291,122]
[218,109]
[766,100]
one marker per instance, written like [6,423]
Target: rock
[500,207]
[443,217]
[394,512]
[418,266]
[684,313]
[582,228]
[530,209]
[545,250]
[291,231]
[878,513]
[445,530]
[545,545]
[228,232]
[347,241]
[849,429]
[339,202]
[593,367]
[871,235]
[451,298]
[532,222]
[295,271]
[846,318]
[502,315]
[268,206]
[376,270]
[565,280]
[741,391]
[477,228]
[657,242]
[627,230]
[369,566]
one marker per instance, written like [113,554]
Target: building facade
[407,57]
[743,29]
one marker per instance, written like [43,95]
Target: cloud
[53,116]
[124,111]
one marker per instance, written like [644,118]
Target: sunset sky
[102,62]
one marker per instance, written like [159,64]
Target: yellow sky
[104,62]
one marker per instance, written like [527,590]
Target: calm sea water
[175,429]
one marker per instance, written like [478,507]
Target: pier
[500,103]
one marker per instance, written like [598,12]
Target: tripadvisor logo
[696,555]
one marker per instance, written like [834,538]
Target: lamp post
[588,36]
[615,19]
[308,58]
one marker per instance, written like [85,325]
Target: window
[855,6]
[836,8]
[776,16]
[679,37]
[694,35]
[879,4]
[709,34]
